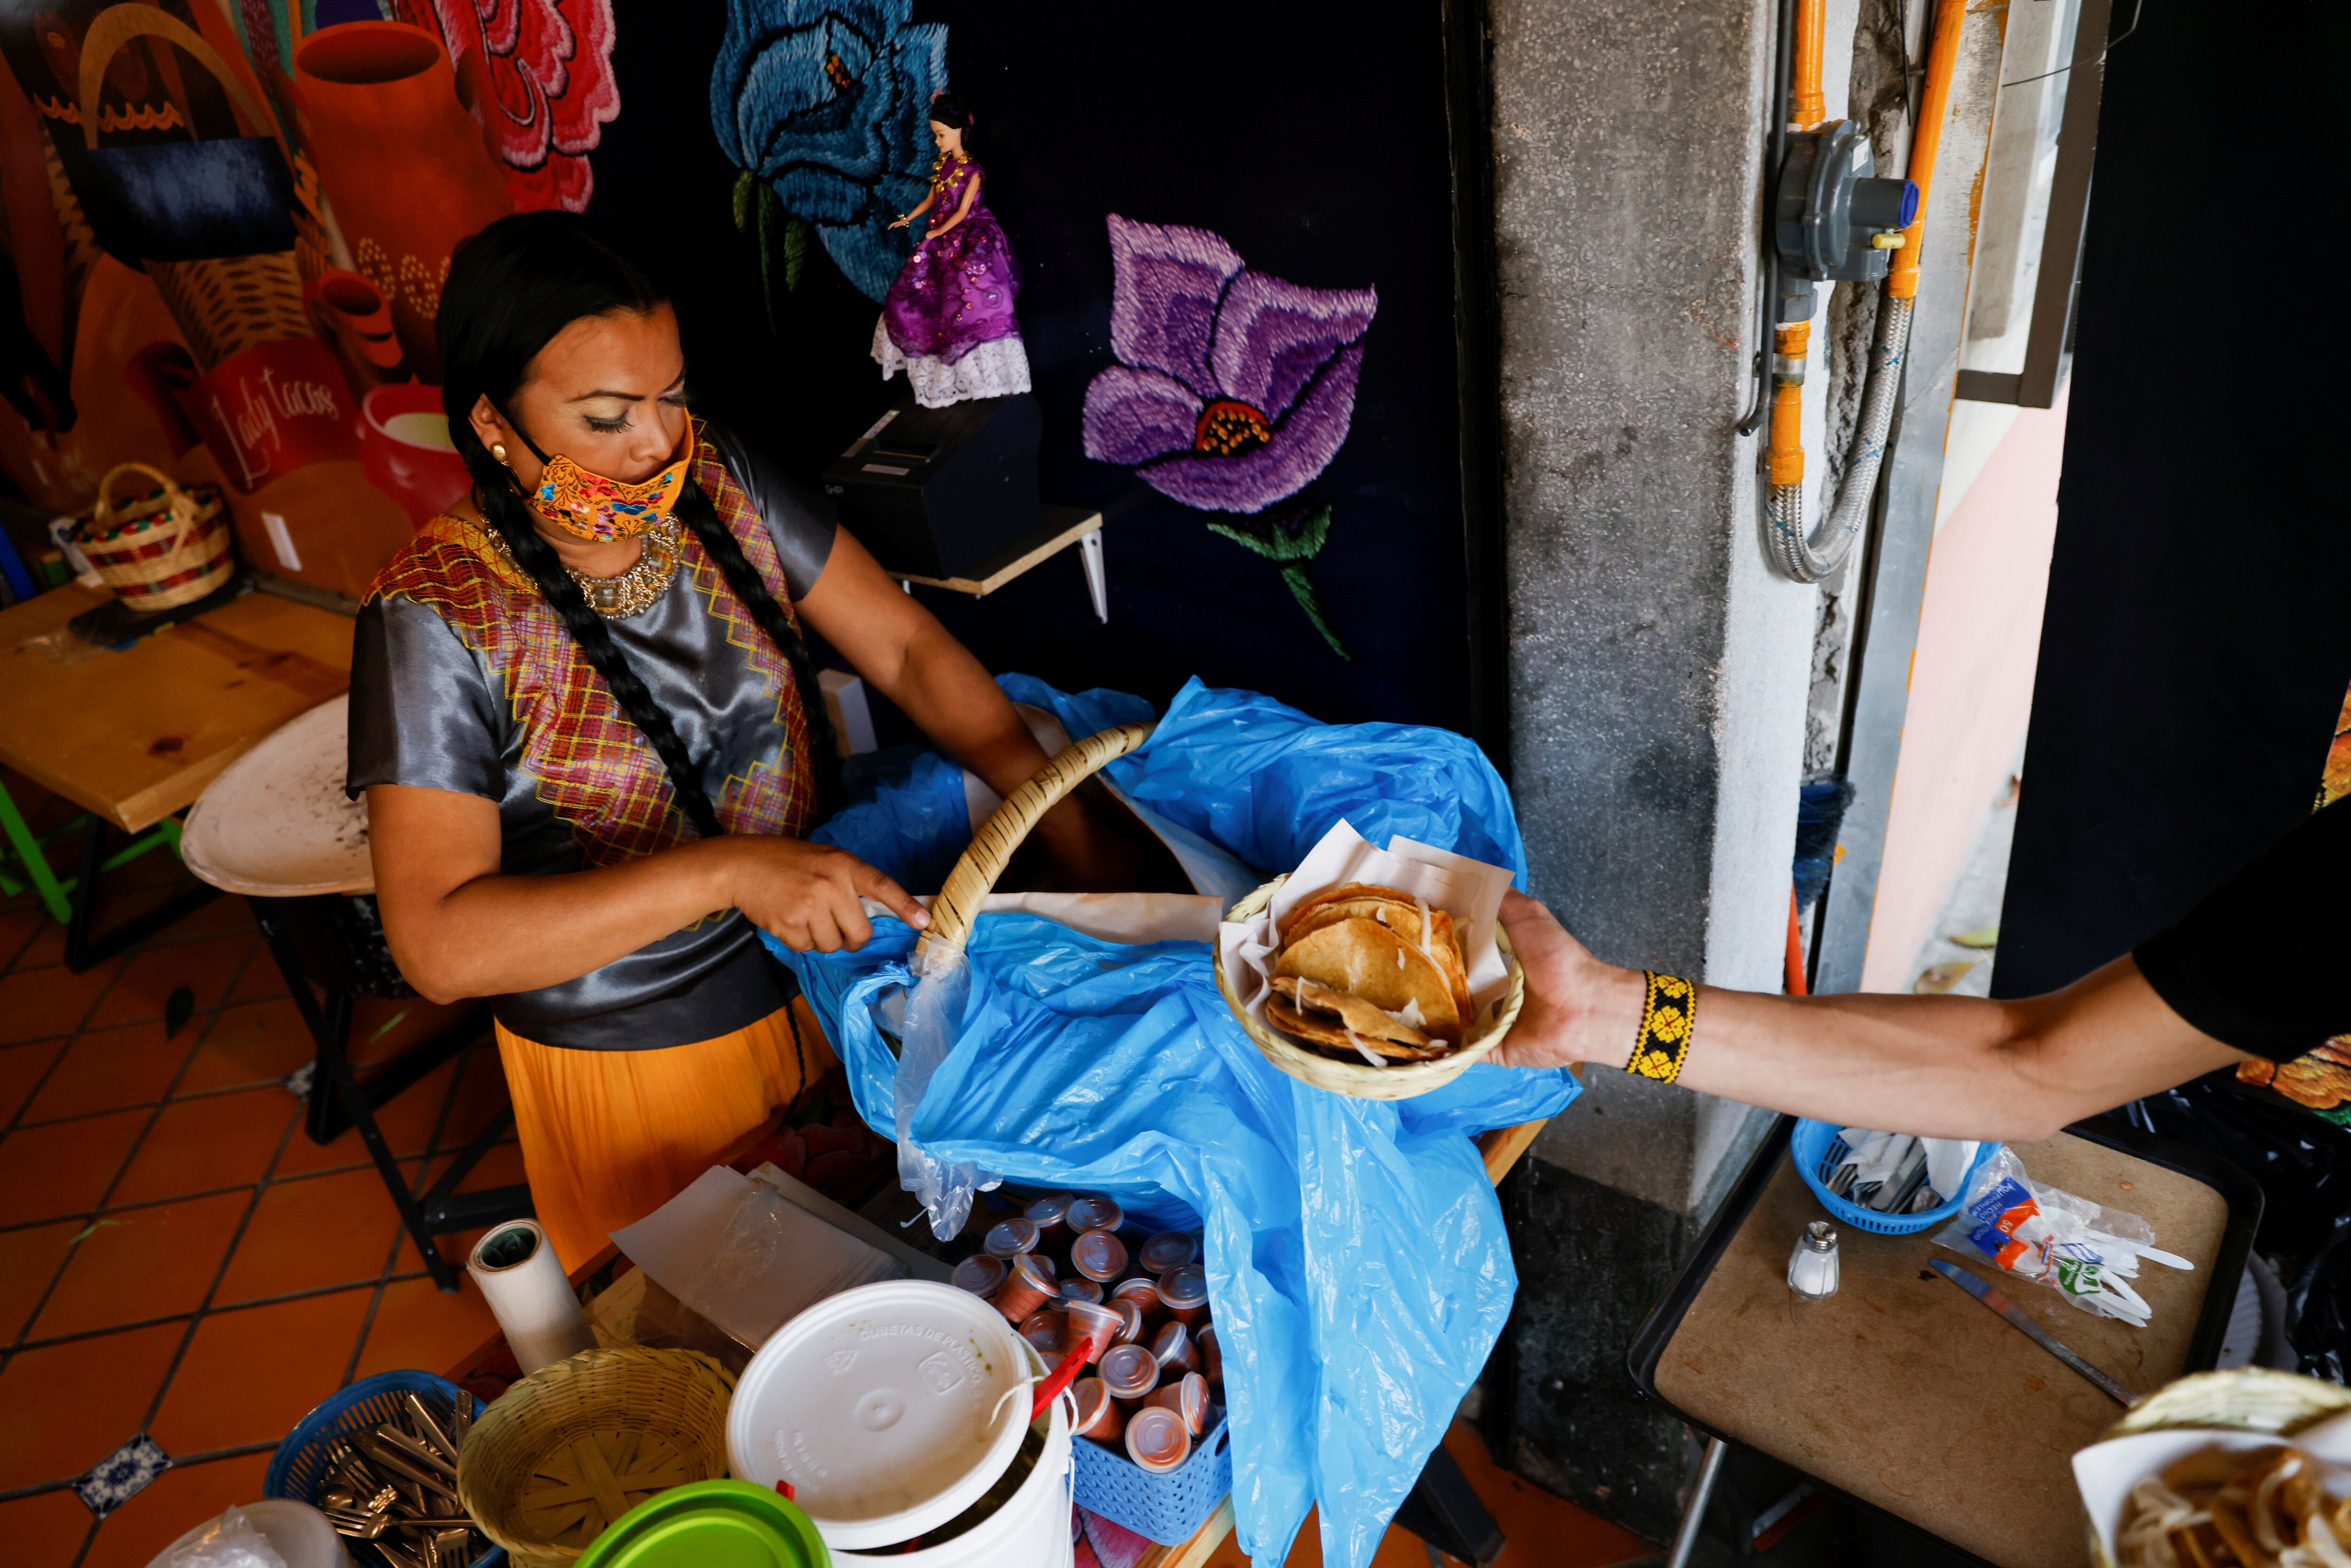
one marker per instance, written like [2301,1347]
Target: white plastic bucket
[893,1407]
[1032,1530]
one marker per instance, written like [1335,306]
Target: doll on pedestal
[948,318]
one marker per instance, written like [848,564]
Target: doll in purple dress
[948,318]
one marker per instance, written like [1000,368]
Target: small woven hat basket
[967,885]
[166,548]
[2247,1399]
[577,1444]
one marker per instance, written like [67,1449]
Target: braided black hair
[511,288]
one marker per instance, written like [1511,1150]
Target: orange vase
[401,161]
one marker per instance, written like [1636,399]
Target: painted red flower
[537,74]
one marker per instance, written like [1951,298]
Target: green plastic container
[710,1524]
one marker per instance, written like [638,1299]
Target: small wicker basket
[576,1445]
[1401,1080]
[167,548]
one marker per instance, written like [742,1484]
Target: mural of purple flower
[1233,388]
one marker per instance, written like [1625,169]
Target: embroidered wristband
[1668,1014]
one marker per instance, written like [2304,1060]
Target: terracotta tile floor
[176,1257]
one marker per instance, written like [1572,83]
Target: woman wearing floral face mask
[591,737]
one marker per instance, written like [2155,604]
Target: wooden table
[133,737]
[1907,1394]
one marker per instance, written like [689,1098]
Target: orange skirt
[608,1136]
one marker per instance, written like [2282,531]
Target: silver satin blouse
[429,711]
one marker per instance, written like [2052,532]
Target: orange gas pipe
[1934,108]
[1784,454]
[1806,106]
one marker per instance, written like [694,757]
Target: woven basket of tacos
[1368,993]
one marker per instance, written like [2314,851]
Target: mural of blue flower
[826,102]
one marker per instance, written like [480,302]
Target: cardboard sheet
[1907,1392]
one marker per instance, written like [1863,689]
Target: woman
[948,318]
[590,735]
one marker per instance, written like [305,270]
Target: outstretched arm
[1940,1066]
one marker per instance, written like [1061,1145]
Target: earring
[498,451]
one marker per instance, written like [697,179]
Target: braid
[693,510]
[504,508]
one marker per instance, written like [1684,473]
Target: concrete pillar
[1658,669]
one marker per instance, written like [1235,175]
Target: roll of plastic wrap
[516,1267]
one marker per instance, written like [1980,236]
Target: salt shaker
[1813,1266]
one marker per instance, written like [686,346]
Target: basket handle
[181,504]
[116,26]
[991,847]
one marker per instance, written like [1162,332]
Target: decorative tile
[184,1497]
[121,1475]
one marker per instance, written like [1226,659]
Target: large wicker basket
[168,546]
[576,1445]
[974,873]
[991,849]
[1400,1080]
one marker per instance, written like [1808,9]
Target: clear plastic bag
[2084,1251]
[229,1542]
[1358,1264]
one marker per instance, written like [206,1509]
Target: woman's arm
[919,209]
[457,928]
[963,209]
[1941,1066]
[917,663]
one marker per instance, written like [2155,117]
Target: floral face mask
[595,508]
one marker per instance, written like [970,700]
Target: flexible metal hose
[1809,559]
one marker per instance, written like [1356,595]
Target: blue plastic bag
[1357,1261]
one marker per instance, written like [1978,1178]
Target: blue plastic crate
[1168,1508]
[299,1468]
[1818,1148]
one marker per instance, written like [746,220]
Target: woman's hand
[902,220]
[806,895]
[1572,996]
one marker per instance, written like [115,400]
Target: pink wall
[1970,686]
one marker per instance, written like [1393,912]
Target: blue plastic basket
[1168,1508]
[1819,1148]
[299,1468]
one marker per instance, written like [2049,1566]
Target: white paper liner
[1470,890]
[2105,1472]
